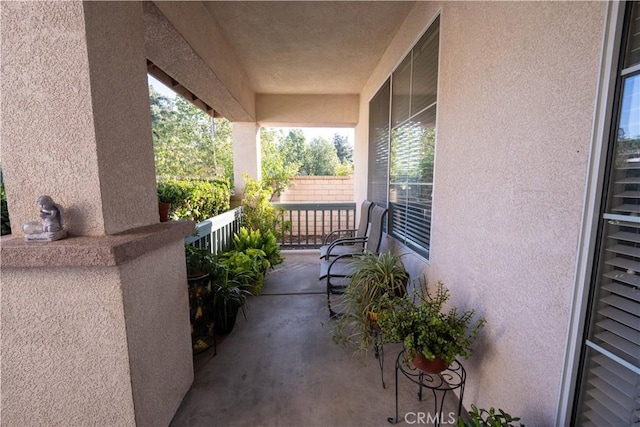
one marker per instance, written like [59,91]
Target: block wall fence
[319,189]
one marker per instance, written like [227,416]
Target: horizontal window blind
[424,79]
[633,37]
[414,87]
[378,181]
[411,180]
[401,98]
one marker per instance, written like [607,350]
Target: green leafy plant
[227,297]
[278,168]
[258,213]
[376,275]
[168,192]
[488,418]
[199,260]
[5,224]
[194,199]
[256,239]
[247,267]
[421,325]
[183,141]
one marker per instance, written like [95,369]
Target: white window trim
[592,205]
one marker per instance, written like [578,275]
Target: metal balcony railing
[309,224]
[217,232]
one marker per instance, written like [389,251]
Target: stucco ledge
[84,251]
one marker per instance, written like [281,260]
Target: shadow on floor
[281,368]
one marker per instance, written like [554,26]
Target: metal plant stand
[378,351]
[452,378]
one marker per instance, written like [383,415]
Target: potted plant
[227,298]
[375,275]
[200,261]
[488,418]
[167,195]
[432,338]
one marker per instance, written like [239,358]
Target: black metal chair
[338,270]
[334,245]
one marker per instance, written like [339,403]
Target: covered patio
[281,367]
[520,109]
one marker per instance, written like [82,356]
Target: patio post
[246,153]
[95,327]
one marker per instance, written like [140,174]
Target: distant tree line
[187,144]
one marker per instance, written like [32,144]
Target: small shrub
[258,213]
[247,267]
[488,418]
[194,199]
[199,260]
[255,239]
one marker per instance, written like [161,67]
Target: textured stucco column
[95,327]
[246,153]
[95,330]
[75,114]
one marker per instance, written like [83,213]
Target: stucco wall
[307,110]
[119,89]
[96,345]
[184,40]
[517,86]
[75,114]
[156,308]
[64,348]
[44,130]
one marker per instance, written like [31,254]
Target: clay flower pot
[434,366]
[163,210]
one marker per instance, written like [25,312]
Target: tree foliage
[258,213]
[277,168]
[293,147]
[320,158]
[185,142]
[344,150]
[186,145]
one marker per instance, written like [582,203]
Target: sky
[309,133]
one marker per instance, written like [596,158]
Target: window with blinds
[378,182]
[414,87]
[609,391]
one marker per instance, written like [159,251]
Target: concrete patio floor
[280,367]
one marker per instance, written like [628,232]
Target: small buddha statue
[51,228]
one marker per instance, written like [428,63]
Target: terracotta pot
[434,366]
[163,210]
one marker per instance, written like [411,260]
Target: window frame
[593,205]
[404,240]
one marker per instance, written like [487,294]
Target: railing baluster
[217,233]
[326,217]
[306,226]
[315,227]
